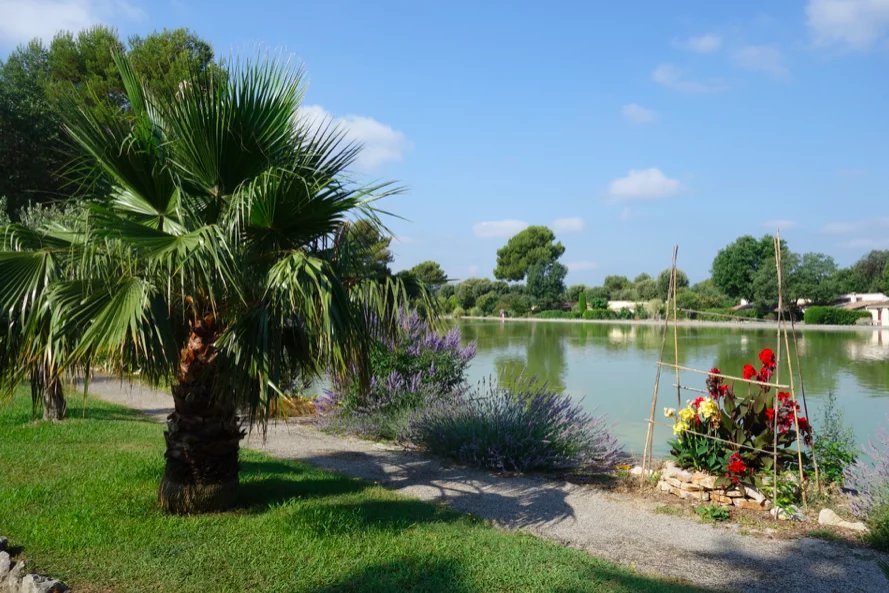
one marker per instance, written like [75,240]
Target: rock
[637,471]
[33,583]
[746,503]
[693,495]
[751,493]
[734,494]
[828,517]
[721,499]
[691,487]
[13,580]
[791,514]
[674,482]
[705,480]
[5,565]
[663,486]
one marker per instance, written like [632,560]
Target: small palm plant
[216,264]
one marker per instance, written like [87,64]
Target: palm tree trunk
[203,433]
[46,384]
[54,404]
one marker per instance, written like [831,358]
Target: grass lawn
[78,500]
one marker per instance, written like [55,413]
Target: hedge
[833,316]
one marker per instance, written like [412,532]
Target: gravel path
[626,532]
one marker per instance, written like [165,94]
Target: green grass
[78,500]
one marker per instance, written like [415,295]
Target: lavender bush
[870,479]
[411,371]
[529,429]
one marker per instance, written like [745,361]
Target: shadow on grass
[267,483]
[414,575]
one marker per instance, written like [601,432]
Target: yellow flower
[680,427]
[669,412]
[708,409]
[688,414]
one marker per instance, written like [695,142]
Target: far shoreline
[768,325]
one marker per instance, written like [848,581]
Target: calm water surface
[612,367]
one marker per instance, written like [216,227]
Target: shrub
[834,443]
[557,315]
[407,372]
[833,316]
[599,314]
[458,312]
[581,302]
[476,312]
[712,513]
[870,480]
[530,429]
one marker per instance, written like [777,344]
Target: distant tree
[372,255]
[614,284]
[814,277]
[470,289]
[663,282]
[884,279]
[735,265]
[708,296]
[532,246]
[597,297]
[546,283]
[447,291]
[641,278]
[431,274]
[573,292]
[647,289]
[765,281]
[867,273]
[581,302]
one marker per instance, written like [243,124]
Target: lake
[612,367]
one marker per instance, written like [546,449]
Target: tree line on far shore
[529,280]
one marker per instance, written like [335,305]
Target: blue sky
[625,126]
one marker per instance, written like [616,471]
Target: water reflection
[613,366]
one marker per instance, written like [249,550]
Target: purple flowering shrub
[870,479]
[420,365]
[521,430]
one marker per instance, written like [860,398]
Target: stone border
[702,487]
[14,579]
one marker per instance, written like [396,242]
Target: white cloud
[23,20]
[703,44]
[643,184]
[671,77]
[761,58]
[841,228]
[635,113]
[381,143]
[781,224]
[498,229]
[568,225]
[858,24]
[580,266]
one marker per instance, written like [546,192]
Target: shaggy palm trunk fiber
[203,433]
[46,384]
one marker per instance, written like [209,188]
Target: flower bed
[727,442]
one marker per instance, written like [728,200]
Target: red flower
[767,357]
[736,465]
[783,396]
[714,371]
[765,373]
[697,403]
[723,389]
[749,371]
[770,414]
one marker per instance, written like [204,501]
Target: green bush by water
[833,316]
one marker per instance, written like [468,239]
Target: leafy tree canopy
[370,250]
[546,282]
[663,282]
[430,273]
[735,265]
[534,245]
[614,285]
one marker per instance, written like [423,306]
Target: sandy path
[626,532]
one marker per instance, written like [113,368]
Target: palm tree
[215,264]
